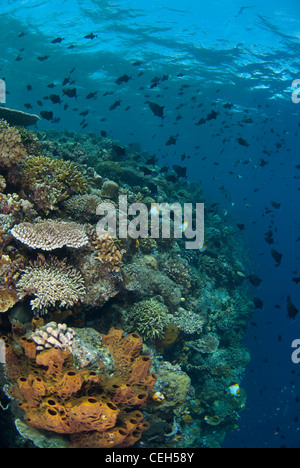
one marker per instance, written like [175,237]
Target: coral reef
[187,310]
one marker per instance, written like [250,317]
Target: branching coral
[149,318]
[108,253]
[51,181]
[52,282]
[12,150]
[50,234]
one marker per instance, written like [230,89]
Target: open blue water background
[245,53]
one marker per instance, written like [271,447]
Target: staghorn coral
[149,318]
[52,282]
[90,408]
[50,234]
[12,151]
[50,181]
[107,252]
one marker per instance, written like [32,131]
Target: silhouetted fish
[58,40]
[269,237]
[212,115]
[70,92]
[275,205]
[92,95]
[291,309]
[90,36]
[156,109]
[42,59]
[277,256]
[258,303]
[55,98]
[47,115]
[296,280]
[255,280]
[29,87]
[123,79]
[28,106]
[115,105]
[180,171]
[242,142]
[171,141]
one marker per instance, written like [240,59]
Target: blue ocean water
[211,54]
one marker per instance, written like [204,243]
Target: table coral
[93,409]
[50,234]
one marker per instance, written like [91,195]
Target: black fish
[92,95]
[296,280]
[19,58]
[262,162]
[47,115]
[255,280]
[171,141]
[115,105]
[277,256]
[123,79]
[29,87]
[258,303]
[58,40]
[55,99]
[70,92]
[66,81]
[51,85]
[22,34]
[42,59]
[275,205]
[84,114]
[269,237]
[156,109]
[212,115]
[103,133]
[40,103]
[242,142]
[241,227]
[28,106]
[90,36]
[228,106]
[291,309]
[201,122]
[180,171]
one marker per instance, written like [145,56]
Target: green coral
[149,318]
